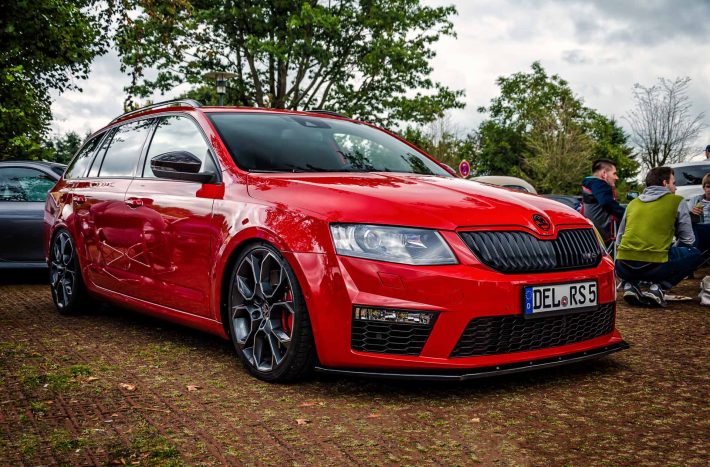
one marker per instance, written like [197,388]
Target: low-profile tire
[68,291]
[268,320]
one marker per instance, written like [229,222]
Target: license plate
[559,297]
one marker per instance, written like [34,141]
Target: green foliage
[44,45]
[64,147]
[441,141]
[365,58]
[538,129]
[559,152]
[501,149]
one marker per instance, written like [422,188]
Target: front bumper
[333,284]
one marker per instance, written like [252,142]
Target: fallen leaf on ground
[306,404]
[128,387]
[193,387]
[91,378]
[302,421]
[476,420]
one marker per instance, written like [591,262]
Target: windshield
[294,143]
[690,174]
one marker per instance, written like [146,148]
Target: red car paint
[165,248]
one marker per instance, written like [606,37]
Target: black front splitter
[485,372]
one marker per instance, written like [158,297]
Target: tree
[662,125]
[538,115]
[560,152]
[365,58]
[44,45]
[443,141]
[64,147]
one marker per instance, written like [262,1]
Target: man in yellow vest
[646,260]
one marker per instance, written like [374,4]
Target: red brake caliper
[286,317]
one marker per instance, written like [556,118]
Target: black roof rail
[173,102]
[326,112]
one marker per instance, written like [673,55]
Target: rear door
[103,217]
[23,191]
[173,220]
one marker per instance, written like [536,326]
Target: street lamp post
[220,78]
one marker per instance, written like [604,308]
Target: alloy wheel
[263,309]
[63,269]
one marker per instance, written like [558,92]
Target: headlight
[393,244]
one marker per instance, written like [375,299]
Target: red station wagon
[315,241]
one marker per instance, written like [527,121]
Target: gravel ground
[116,387]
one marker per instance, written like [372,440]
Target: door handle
[134,202]
[79,199]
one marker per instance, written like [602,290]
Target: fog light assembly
[389,315]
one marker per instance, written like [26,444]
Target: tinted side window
[690,174]
[125,149]
[96,165]
[175,133]
[22,184]
[81,161]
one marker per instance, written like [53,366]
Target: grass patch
[57,379]
[80,370]
[39,407]
[147,447]
[28,444]
[62,441]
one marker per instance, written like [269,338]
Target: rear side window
[23,184]
[175,133]
[124,150]
[81,161]
[690,174]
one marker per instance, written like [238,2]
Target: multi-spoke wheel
[268,320]
[64,275]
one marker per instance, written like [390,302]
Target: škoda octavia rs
[315,241]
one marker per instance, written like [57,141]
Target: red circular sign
[464,168]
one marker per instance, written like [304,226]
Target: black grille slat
[566,249]
[390,338]
[521,252]
[515,333]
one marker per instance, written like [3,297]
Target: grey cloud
[647,23]
[575,57]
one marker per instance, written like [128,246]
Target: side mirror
[631,195]
[180,165]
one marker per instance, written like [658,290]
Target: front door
[173,220]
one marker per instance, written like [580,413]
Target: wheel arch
[230,254]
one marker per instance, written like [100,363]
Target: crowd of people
[658,239]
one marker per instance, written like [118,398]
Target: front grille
[514,333]
[391,338]
[521,252]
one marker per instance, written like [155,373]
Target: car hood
[409,200]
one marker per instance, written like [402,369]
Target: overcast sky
[600,47]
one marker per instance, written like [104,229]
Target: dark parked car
[572,201]
[23,191]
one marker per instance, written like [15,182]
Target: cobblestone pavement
[115,387]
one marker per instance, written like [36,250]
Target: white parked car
[505,181]
[689,177]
